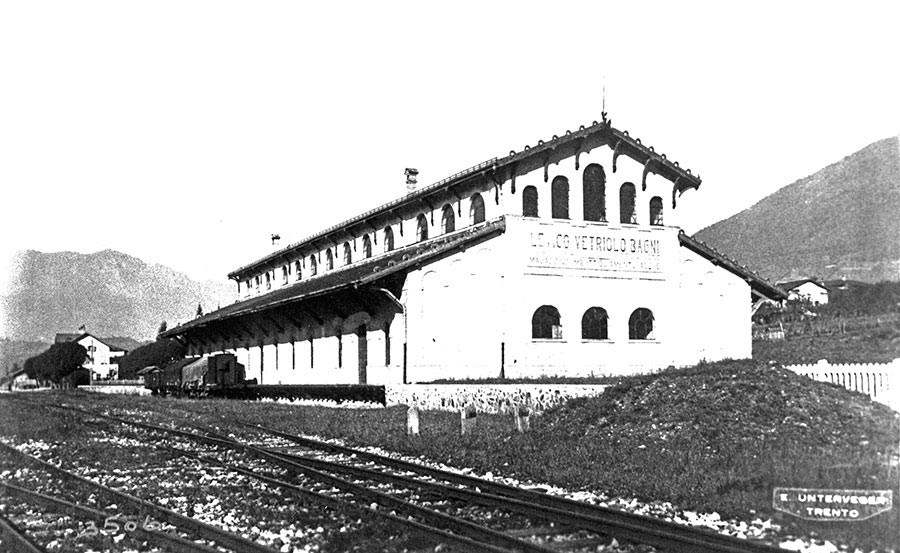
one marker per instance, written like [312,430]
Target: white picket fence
[881,381]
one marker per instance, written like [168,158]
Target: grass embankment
[716,437]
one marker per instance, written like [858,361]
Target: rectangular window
[311,356]
[340,352]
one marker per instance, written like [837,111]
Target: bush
[57,363]
[159,353]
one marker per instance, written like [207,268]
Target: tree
[162,328]
[57,364]
[159,353]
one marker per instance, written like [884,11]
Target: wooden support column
[262,360]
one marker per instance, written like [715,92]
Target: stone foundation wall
[487,398]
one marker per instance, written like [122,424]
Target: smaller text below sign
[832,505]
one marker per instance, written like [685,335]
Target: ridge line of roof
[493,163]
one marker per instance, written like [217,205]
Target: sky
[186,132]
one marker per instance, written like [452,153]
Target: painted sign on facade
[832,505]
[599,249]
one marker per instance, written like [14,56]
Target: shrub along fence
[878,380]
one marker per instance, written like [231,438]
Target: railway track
[631,527]
[14,539]
[334,465]
[407,517]
[134,505]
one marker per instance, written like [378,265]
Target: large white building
[101,357]
[563,259]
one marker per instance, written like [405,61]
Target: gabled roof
[758,285]
[355,275]
[791,284]
[64,337]
[147,369]
[568,144]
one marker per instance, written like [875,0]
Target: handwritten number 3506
[115,524]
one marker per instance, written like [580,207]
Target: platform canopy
[369,285]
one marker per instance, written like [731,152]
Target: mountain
[841,222]
[15,352]
[109,292]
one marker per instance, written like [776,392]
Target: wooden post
[522,416]
[412,421]
[468,420]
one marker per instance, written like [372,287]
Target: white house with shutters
[101,356]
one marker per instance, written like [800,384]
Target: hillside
[111,293]
[839,222]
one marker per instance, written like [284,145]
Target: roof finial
[603,111]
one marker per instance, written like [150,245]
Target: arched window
[594,190]
[656,208]
[593,324]
[388,239]
[640,324]
[257,283]
[421,228]
[313,265]
[448,219]
[348,255]
[626,204]
[284,274]
[268,280]
[298,269]
[545,323]
[248,285]
[530,201]
[559,198]
[367,246]
[476,209]
[329,260]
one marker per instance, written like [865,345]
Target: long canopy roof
[353,276]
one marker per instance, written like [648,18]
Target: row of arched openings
[594,199]
[546,325]
[448,218]
[448,224]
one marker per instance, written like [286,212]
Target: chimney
[411,175]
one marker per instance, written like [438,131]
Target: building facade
[564,259]
[101,357]
[807,289]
